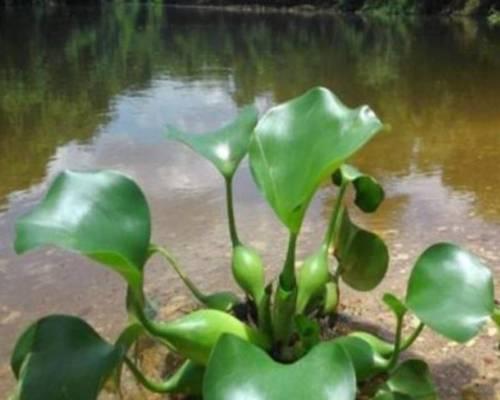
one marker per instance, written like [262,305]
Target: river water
[90,88]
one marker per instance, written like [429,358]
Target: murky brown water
[93,88]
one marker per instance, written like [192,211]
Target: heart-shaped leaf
[410,380]
[61,357]
[102,214]
[363,256]
[451,291]
[369,193]
[226,147]
[296,145]
[239,370]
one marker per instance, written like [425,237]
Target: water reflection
[94,88]
[70,74]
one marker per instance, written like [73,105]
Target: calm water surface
[94,88]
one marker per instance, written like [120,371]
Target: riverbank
[489,8]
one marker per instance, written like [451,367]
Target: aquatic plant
[273,350]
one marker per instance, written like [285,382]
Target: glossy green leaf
[195,335]
[366,360]
[61,357]
[239,370]
[226,147]
[222,301]
[369,193]
[396,306]
[451,291]
[363,256]
[296,145]
[101,214]
[385,349]
[410,380]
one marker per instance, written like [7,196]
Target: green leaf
[398,308]
[238,370]
[410,380]
[363,256]
[195,335]
[61,357]
[101,214]
[385,349]
[226,147]
[222,301]
[366,360]
[296,145]
[451,291]
[369,193]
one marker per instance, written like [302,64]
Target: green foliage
[194,335]
[248,271]
[494,18]
[275,351]
[224,148]
[312,278]
[363,256]
[367,361]
[103,215]
[325,373]
[62,357]
[451,291]
[410,380]
[314,130]
[369,193]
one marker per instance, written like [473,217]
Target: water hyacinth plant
[273,351]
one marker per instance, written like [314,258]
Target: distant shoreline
[464,8]
[482,9]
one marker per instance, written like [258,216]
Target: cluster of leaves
[274,351]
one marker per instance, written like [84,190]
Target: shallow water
[94,88]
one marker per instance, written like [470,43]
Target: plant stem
[288,280]
[397,344]
[230,212]
[153,328]
[332,225]
[411,339]
[157,387]
[177,268]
